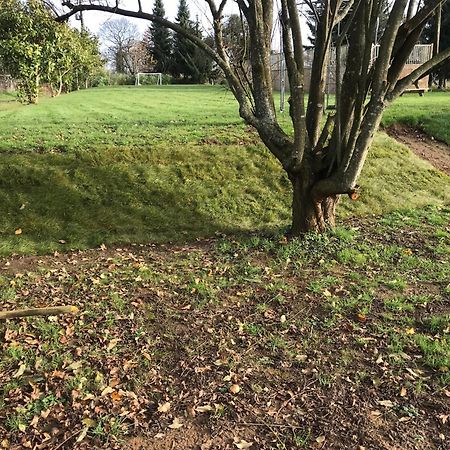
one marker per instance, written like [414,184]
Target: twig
[68,439]
[51,311]
[268,425]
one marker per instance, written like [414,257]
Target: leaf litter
[196,347]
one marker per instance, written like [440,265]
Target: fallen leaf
[90,423]
[112,344]
[4,443]
[361,317]
[106,391]
[21,371]
[18,231]
[116,396]
[283,319]
[386,403]
[320,439]
[34,421]
[74,366]
[443,418]
[83,434]
[204,408]
[243,444]
[164,407]
[235,388]
[22,427]
[403,392]
[176,424]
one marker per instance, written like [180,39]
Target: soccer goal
[148,78]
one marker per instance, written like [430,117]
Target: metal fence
[7,83]
[420,54]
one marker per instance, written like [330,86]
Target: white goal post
[144,74]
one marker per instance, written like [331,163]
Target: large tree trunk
[309,214]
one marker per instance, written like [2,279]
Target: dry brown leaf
[107,390]
[386,403]
[164,407]
[204,408]
[18,231]
[116,396]
[361,317]
[34,421]
[235,388]
[243,444]
[443,418]
[112,344]
[83,434]
[403,392]
[20,371]
[176,424]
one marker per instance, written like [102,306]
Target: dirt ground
[435,152]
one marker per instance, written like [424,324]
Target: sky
[94,19]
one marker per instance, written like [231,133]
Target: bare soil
[435,152]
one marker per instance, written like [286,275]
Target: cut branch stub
[353,194]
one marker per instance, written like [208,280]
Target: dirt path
[435,152]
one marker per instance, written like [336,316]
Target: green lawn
[164,163]
[430,112]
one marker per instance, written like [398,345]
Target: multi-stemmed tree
[323,158]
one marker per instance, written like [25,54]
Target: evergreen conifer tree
[159,41]
[183,49]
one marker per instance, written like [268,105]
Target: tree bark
[308,213]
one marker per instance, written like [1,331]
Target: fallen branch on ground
[51,311]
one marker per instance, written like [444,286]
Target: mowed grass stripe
[153,164]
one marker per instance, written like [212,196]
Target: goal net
[148,78]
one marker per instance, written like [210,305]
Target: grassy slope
[430,112]
[158,164]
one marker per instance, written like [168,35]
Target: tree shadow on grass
[59,202]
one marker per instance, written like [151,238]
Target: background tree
[188,62]
[183,48]
[159,41]
[119,36]
[35,49]
[322,158]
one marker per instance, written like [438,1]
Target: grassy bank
[430,113]
[161,163]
